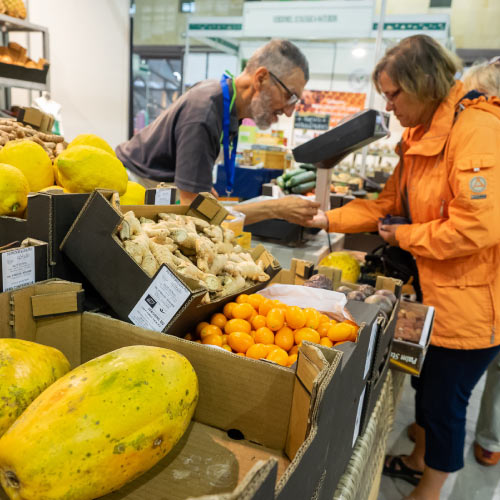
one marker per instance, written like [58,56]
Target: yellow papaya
[26,369]
[100,426]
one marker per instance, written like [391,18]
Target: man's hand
[388,233]
[295,209]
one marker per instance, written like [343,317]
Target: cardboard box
[24,264]
[345,398]
[381,337]
[166,302]
[271,159]
[409,356]
[36,119]
[24,311]
[47,218]
[255,421]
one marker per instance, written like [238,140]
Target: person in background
[183,143]
[447,183]
[485,78]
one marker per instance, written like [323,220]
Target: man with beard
[183,143]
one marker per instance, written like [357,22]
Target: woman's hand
[388,233]
[319,220]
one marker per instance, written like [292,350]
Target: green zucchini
[290,173]
[304,188]
[280,181]
[301,178]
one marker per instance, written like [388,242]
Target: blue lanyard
[229,159]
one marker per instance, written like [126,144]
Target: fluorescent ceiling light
[358,52]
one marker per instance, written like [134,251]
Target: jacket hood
[434,140]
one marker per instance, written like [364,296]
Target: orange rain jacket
[452,174]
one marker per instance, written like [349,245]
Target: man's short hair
[280,57]
[421,66]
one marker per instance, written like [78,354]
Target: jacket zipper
[441,210]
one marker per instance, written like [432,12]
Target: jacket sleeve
[474,211]
[362,215]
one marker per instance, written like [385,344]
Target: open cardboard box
[166,302]
[259,431]
[381,341]
[345,398]
[47,217]
[22,265]
[409,356]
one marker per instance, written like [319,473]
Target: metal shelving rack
[10,24]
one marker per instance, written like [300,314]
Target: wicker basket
[361,479]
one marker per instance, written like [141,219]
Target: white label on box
[358,417]
[18,268]
[369,354]
[163,196]
[160,302]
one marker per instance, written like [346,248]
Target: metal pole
[185,64]
[371,91]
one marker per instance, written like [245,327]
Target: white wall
[89,61]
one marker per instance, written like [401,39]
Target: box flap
[206,207]
[311,367]
[57,303]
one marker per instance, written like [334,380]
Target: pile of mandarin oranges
[260,328]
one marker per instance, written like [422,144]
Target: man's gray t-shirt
[183,143]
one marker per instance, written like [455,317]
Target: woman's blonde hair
[420,66]
[484,77]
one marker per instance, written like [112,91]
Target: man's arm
[295,209]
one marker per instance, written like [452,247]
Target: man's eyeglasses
[392,96]
[293,97]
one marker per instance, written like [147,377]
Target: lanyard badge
[229,150]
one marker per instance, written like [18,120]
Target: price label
[160,302]
[163,196]
[18,268]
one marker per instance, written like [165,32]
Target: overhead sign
[312,121]
[218,27]
[333,19]
[402,26]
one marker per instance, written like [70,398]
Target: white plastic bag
[325,301]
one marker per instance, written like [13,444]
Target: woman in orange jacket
[447,184]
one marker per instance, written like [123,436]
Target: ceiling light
[358,52]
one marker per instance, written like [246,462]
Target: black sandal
[397,468]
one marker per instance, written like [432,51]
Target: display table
[313,249]
[361,480]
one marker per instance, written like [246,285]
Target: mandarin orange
[240,341]
[218,319]
[275,319]
[264,336]
[306,334]
[279,356]
[284,338]
[295,317]
[242,311]
[237,325]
